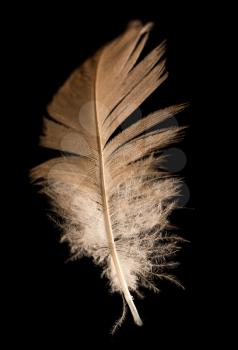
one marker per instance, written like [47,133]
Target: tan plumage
[112,192]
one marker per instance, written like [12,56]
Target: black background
[54,302]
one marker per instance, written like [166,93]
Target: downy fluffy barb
[112,192]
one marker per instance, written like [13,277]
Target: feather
[110,187]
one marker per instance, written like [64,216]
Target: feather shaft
[108,226]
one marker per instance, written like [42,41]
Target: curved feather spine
[108,225]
